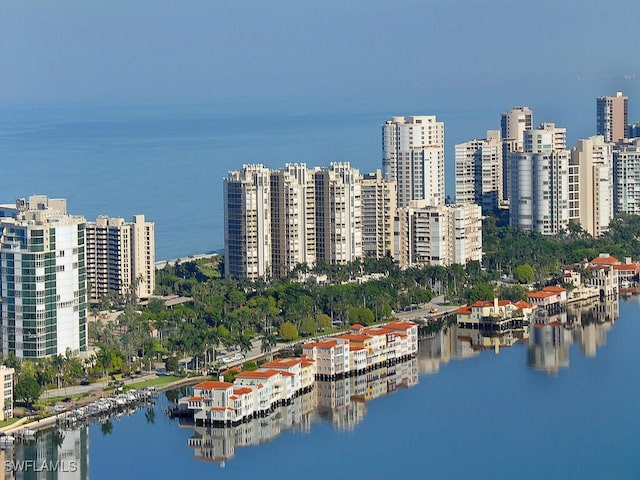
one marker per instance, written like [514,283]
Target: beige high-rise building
[479,171]
[593,190]
[247,227]
[439,235]
[612,117]
[413,157]
[338,191]
[539,198]
[293,231]
[120,257]
[513,124]
[43,287]
[6,399]
[378,212]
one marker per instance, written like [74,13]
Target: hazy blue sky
[167,51]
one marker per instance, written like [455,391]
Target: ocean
[168,162]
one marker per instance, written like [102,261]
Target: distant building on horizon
[378,214]
[43,285]
[612,117]
[413,157]
[478,172]
[120,257]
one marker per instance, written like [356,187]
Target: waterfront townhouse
[487,322]
[303,371]
[331,356]
[271,387]
[551,298]
[211,402]
[410,329]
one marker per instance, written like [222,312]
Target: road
[94,387]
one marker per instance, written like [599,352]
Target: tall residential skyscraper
[439,235]
[539,198]
[43,286]
[247,227]
[378,212]
[120,257]
[413,157]
[513,124]
[479,172]
[612,117]
[293,230]
[338,191]
[626,176]
[593,190]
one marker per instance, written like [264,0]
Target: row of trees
[236,312]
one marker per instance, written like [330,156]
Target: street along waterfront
[536,410]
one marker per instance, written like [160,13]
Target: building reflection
[56,454]
[342,402]
[585,323]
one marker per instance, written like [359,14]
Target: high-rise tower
[413,157]
[513,124]
[43,286]
[612,117]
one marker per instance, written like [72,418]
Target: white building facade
[413,157]
[43,285]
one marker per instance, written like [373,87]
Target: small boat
[6,440]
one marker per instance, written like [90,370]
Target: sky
[163,51]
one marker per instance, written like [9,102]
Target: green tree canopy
[288,331]
[523,273]
[28,389]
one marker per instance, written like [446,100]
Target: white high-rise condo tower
[413,157]
[43,285]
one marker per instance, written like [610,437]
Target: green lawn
[11,421]
[154,382]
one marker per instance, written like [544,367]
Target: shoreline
[51,420]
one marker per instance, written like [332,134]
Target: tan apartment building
[120,257]
[591,187]
[479,171]
[6,399]
[612,117]
[378,212]
[444,235]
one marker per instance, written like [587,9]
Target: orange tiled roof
[523,304]
[210,385]
[552,288]
[610,260]
[399,324]
[259,374]
[465,310]
[242,390]
[355,337]
[626,266]
[195,399]
[489,303]
[325,344]
[282,362]
[541,294]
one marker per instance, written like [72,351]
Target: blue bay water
[485,417]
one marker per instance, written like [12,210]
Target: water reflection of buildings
[343,402]
[552,335]
[55,455]
[218,444]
